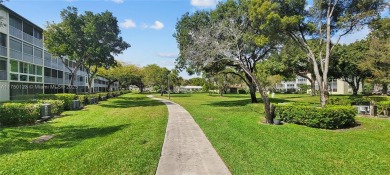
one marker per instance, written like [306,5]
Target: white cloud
[157,25]
[203,3]
[118,1]
[127,24]
[168,55]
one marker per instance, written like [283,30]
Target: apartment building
[26,67]
[335,86]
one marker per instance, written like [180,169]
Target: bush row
[19,113]
[28,111]
[357,100]
[330,117]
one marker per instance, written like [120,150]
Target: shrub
[241,91]
[67,98]
[330,117]
[383,106]
[340,101]
[19,113]
[57,106]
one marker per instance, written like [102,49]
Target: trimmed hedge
[330,117]
[19,113]
[67,98]
[57,106]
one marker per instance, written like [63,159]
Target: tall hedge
[330,117]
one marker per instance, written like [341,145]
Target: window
[3,40]
[3,70]
[47,72]
[60,74]
[39,70]
[39,79]
[23,77]
[15,45]
[14,77]
[28,49]
[28,29]
[31,69]
[23,68]
[54,73]
[14,66]
[31,78]
[37,34]
[3,65]
[37,52]
[15,22]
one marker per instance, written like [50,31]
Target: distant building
[190,88]
[335,86]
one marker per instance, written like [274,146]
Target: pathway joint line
[186,149]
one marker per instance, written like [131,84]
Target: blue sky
[148,25]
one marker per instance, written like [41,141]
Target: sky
[148,25]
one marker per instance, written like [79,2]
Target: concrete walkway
[186,149]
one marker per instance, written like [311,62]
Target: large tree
[347,64]
[102,36]
[228,37]
[233,12]
[156,76]
[377,59]
[89,40]
[321,20]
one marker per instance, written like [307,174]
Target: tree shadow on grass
[17,139]
[127,102]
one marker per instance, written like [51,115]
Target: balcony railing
[48,79]
[3,75]
[38,60]
[28,38]
[47,62]
[38,42]
[28,58]
[3,51]
[15,32]
[16,54]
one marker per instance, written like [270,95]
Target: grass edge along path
[231,123]
[123,135]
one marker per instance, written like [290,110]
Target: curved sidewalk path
[186,149]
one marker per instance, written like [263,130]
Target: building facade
[27,68]
[335,86]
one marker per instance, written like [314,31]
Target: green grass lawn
[120,136]
[248,147]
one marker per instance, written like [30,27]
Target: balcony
[15,32]
[48,79]
[28,58]
[38,60]
[3,51]
[38,42]
[16,54]
[47,62]
[28,38]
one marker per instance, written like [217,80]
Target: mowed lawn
[120,136]
[249,147]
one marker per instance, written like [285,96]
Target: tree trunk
[252,88]
[313,87]
[384,88]
[355,90]
[267,107]
[89,86]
